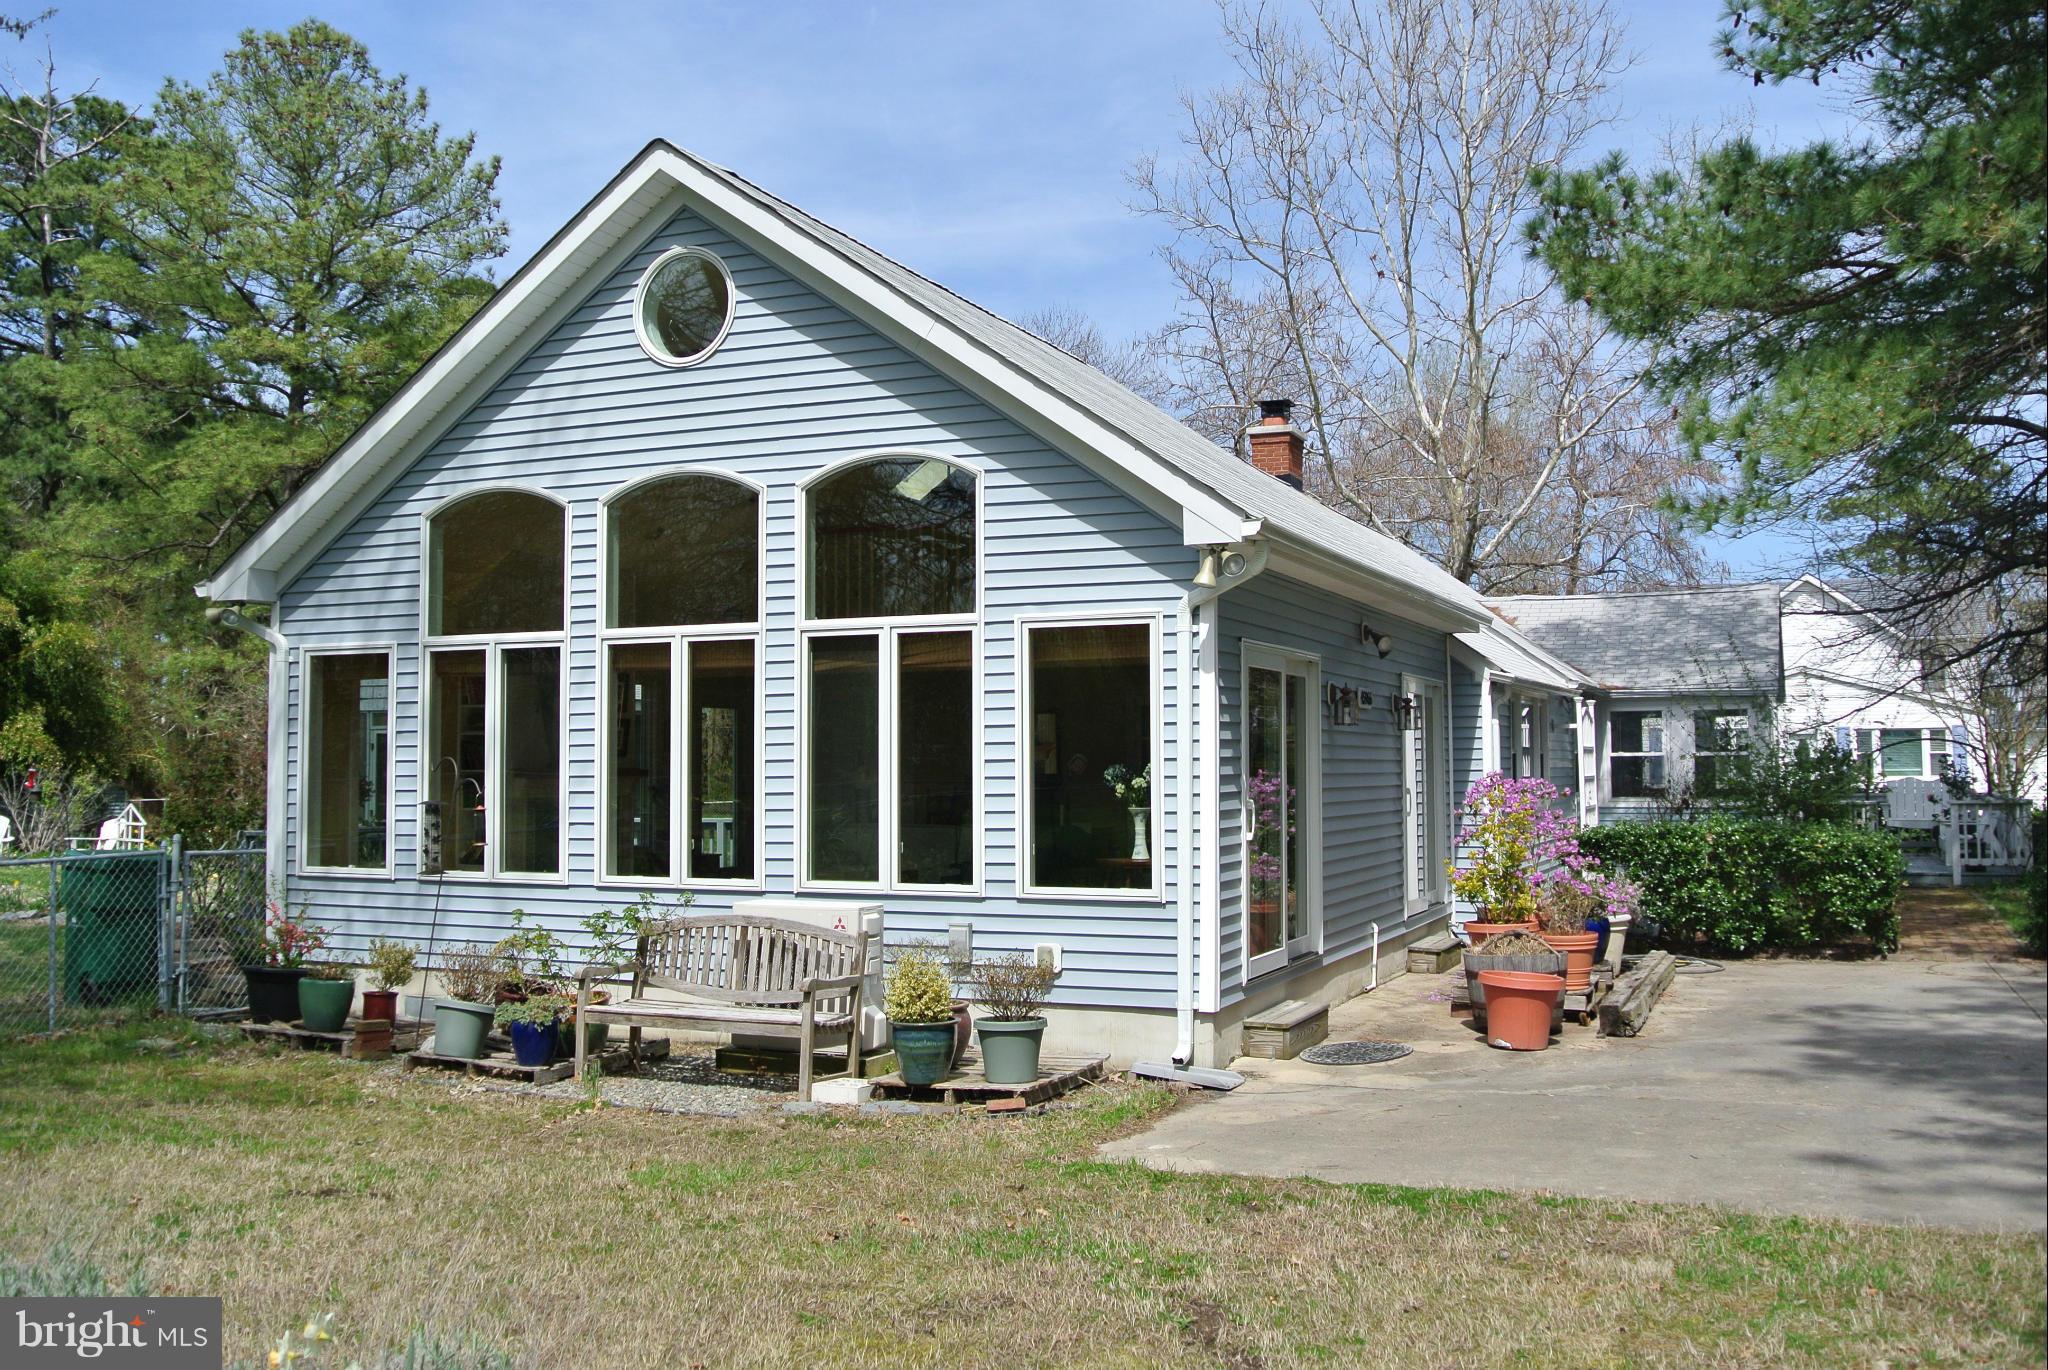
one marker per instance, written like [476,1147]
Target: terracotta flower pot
[1479,931]
[381,1003]
[1519,1007]
[1578,949]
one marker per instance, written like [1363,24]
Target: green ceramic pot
[459,1029]
[1009,1051]
[323,1004]
[924,1051]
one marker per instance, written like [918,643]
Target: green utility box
[110,926]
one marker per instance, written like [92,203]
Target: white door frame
[1423,815]
[1308,792]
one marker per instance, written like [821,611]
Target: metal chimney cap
[1283,410]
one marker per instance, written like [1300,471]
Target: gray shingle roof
[1721,639]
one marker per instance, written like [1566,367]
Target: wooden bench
[772,976]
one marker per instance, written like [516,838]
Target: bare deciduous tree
[1082,338]
[1349,228]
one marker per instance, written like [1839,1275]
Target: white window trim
[604,556]
[1026,715]
[1664,755]
[1430,828]
[803,542]
[652,346]
[1268,656]
[678,762]
[887,633]
[389,651]
[494,713]
[1749,732]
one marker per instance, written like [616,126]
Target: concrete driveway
[1913,1090]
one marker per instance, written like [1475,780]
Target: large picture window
[1089,700]
[704,770]
[890,762]
[494,743]
[458,763]
[346,795]
[891,538]
[494,566]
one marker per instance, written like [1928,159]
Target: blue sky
[984,144]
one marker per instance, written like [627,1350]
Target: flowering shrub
[1520,837]
[287,939]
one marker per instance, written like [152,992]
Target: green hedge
[1749,884]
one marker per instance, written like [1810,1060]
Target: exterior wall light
[1407,715]
[1379,642]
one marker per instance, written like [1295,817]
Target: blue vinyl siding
[1362,832]
[798,385]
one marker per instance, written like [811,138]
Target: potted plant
[274,961]
[1135,792]
[534,1024]
[391,968]
[1520,1006]
[325,992]
[1513,830]
[1012,989]
[918,1003]
[471,975]
[1514,950]
[1567,901]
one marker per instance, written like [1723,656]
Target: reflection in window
[530,742]
[843,758]
[721,760]
[892,538]
[935,758]
[683,306]
[495,565]
[1635,753]
[1091,729]
[455,748]
[682,550]
[347,746]
[638,795]
[1717,739]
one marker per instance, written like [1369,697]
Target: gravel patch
[686,1081]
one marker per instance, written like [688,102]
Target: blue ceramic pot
[533,1044]
[1601,926]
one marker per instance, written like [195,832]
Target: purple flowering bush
[1527,862]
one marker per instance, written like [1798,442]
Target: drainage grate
[1355,1053]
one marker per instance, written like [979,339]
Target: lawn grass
[2008,899]
[291,1184]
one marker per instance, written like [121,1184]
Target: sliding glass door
[1282,809]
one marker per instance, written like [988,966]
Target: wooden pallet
[350,1041]
[1056,1075]
[614,1059]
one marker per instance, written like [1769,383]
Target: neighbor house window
[1093,732]
[346,779]
[682,720]
[494,618]
[1893,753]
[683,306]
[1635,753]
[1718,738]
[890,751]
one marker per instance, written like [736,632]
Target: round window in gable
[683,307]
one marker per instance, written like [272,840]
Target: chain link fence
[88,936]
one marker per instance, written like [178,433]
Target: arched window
[891,538]
[683,550]
[495,566]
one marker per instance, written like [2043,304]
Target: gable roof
[1716,640]
[1218,499]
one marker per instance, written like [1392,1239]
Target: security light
[1379,642]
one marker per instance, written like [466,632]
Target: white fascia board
[1376,590]
[943,344]
[359,462]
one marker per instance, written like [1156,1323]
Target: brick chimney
[1275,442]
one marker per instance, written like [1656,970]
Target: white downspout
[274,749]
[1254,556]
